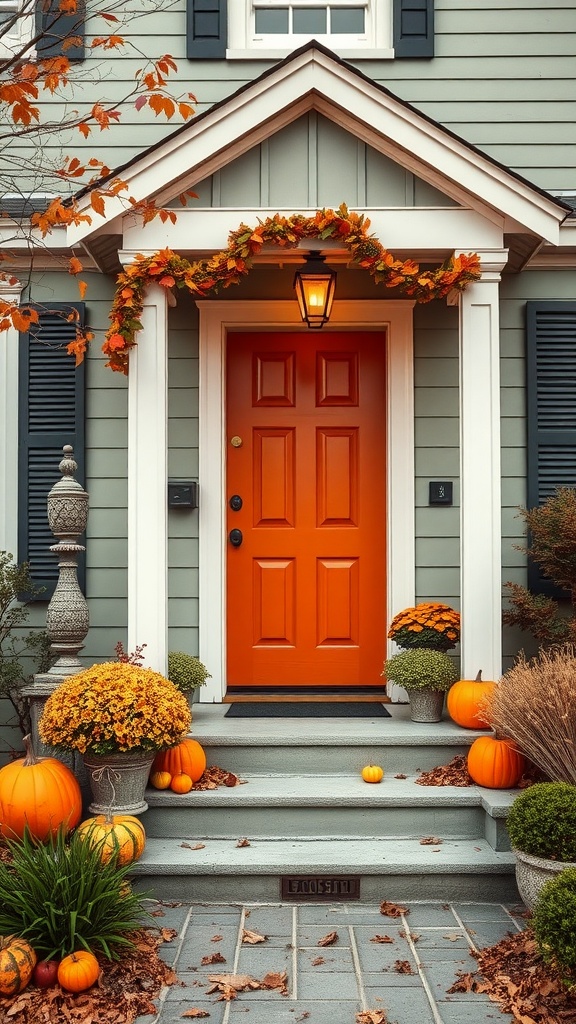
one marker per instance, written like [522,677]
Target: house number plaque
[320,887]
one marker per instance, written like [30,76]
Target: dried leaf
[431,841]
[400,776]
[319,960]
[195,1012]
[252,937]
[371,1017]
[276,979]
[382,938]
[455,773]
[243,842]
[403,967]
[328,940]
[229,985]
[212,958]
[392,909]
[453,937]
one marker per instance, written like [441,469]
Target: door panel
[306,587]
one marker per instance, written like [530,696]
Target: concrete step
[388,869]
[327,745]
[338,806]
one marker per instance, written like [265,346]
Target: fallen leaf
[382,938]
[328,940]
[195,1012]
[216,938]
[403,967]
[212,958]
[392,909]
[303,1016]
[371,1017]
[453,937]
[455,773]
[168,934]
[431,841]
[243,842]
[276,979]
[252,937]
[319,960]
[400,776]
[229,985]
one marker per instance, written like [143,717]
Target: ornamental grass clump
[542,821]
[61,897]
[421,670]
[115,707]
[554,924]
[186,671]
[534,704]
[430,626]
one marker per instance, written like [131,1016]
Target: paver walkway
[331,984]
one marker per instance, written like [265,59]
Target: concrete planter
[532,873]
[426,705]
[118,782]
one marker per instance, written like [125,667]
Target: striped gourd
[121,836]
[17,961]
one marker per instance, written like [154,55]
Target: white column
[480,488]
[9,341]
[147,483]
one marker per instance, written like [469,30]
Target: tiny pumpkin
[495,763]
[372,773]
[465,699]
[78,971]
[187,756]
[17,961]
[181,783]
[121,836]
[160,780]
[38,793]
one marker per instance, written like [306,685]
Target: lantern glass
[315,286]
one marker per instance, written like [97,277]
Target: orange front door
[305,451]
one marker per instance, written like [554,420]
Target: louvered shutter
[56,29]
[413,28]
[551,408]
[51,414]
[206,28]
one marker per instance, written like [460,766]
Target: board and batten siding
[502,78]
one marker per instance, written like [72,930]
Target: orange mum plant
[204,277]
[115,707]
[432,626]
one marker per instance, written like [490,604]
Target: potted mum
[426,675]
[117,715]
[542,829]
[187,672]
[429,626]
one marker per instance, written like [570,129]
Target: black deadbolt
[235,502]
[235,538]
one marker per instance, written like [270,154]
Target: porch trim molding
[10,293]
[217,319]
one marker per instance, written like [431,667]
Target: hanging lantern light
[315,285]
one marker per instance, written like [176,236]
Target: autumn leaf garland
[203,277]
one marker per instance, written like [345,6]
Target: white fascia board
[313,80]
[414,228]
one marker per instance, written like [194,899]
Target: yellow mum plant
[115,707]
[431,626]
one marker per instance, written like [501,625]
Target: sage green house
[264,494]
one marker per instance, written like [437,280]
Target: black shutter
[551,409]
[206,28]
[55,28]
[413,28]
[51,414]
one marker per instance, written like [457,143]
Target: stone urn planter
[426,705]
[426,675]
[117,782]
[532,873]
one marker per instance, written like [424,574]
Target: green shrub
[186,671]
[61,898]
[542,821]
[555,924]
[421,669]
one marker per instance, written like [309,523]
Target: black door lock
[235,538]
[235,502]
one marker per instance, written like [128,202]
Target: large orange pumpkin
[121,836]
[464,701]
[78,971]
[495,763]
[186,758]
[38,792]
[17,961]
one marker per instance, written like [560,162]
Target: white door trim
[217,318]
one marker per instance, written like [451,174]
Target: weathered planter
[118,782]
[532,873]
[426,705]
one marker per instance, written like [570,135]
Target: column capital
[10,289]
[127,256]
[492,263]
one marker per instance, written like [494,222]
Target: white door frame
[217,318]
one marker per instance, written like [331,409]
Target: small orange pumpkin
[181,783]
[160,780]
[188,757]
[465,699]
[121,836]
[495,763]
[17,961]
[40,793]
[372,773]
[78,971]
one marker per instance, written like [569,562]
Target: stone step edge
[335,791]
[352,856]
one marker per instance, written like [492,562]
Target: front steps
[306,812]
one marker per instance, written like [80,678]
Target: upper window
[16,26]
[277,27]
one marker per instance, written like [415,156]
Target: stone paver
[408,977]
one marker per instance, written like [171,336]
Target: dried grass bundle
[535,704]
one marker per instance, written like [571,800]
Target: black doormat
[307,709]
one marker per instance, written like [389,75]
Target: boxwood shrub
[542,821]
[555,924]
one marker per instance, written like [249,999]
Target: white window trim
[23,29]
[217,317]
[243,44]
